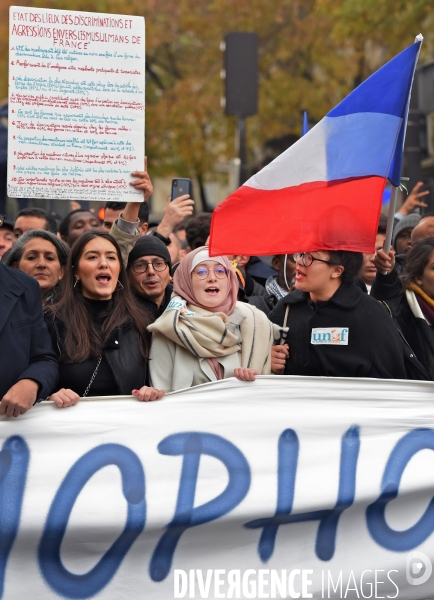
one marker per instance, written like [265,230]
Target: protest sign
[76,104]
[291,487]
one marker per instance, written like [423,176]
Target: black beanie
[149,245]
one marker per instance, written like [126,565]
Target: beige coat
[125,240]
[173,367]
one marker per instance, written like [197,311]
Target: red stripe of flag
[349,209]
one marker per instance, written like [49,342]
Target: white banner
[76,104]
[287,487]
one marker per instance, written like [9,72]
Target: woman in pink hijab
[205,334]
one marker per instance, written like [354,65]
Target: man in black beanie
[149,268]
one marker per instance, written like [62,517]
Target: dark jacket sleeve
[43,367]
[386,286]
[389,286]
[278,313]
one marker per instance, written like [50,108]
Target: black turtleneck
[98,310]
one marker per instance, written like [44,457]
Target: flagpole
[390,219]
[394,198]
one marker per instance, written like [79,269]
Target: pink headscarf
[183,287]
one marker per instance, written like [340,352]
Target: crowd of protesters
[124,307]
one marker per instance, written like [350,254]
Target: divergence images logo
[418,568]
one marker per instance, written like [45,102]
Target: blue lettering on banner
[62,581]
[191,446]
[391,539]
[329,518]
[14,461]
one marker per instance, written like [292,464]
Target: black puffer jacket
[374,347]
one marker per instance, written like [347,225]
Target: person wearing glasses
[334,328]
[149,274]
[205,334]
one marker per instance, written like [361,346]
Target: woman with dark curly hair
[97,327]
[335,329]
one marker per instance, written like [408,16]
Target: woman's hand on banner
[146,393]
[279,354]
[64,398]
[244,374]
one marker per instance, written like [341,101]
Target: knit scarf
[272,286]
[425,302]
[212,335]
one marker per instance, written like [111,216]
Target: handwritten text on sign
[76,104]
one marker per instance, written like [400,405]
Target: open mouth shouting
[299,275]
[104,279]
[212,290]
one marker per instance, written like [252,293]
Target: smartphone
[180,187]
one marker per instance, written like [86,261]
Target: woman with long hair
[97,327]
[410,301]
[205,334]
[43,256]
[334,328]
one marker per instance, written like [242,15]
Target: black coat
[122,368]
[25,346]
[417,332]
[375,348]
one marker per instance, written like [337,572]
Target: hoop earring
[119,286]
[76,282]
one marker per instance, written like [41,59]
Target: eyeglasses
[307,259]
[203,272]
[142,266]
[2,219]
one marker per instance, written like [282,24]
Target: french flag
[325,191]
